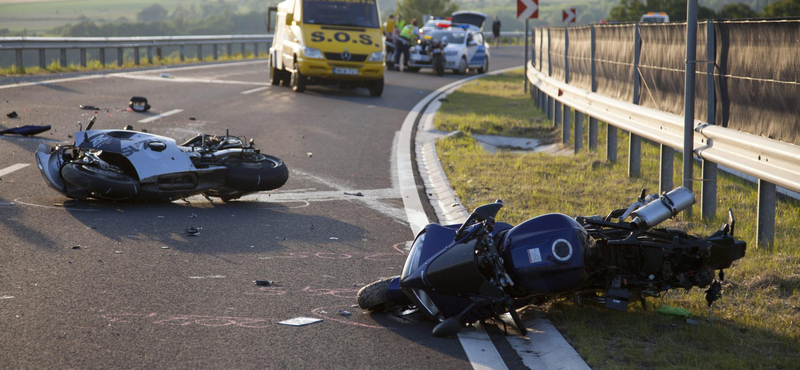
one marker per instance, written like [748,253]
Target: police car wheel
[298,81]
[485,67]
[462,66]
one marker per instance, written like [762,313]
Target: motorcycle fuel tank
[544,255]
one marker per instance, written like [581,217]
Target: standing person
[496,31]
[408,36]
[389,28]
[400,22]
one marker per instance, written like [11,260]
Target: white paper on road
[300,321]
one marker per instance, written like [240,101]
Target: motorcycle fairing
[530,259]
[133,145]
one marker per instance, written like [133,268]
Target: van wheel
[376,87]
[275,74]
[285,77]
[298,81]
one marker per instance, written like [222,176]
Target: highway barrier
[631,76]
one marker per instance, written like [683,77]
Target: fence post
[119,57]
[635,144]
[18,57]
[578,131]
[102,57]
[182,53]
[200,52]
[136,56]
[708,194]
[42,57]
[593,127]
[665,179]
[214,52]
[62,61]
[765,231]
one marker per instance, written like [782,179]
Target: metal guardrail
[18,44]
[771,161]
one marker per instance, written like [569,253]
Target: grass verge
[756,325]
[95,65]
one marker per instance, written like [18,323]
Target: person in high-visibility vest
[389,28]
[408,35]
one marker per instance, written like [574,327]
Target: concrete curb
[545,347]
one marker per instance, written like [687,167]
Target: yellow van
[328,41]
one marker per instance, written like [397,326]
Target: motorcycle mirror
[446,328]
[91,123]
[487,211]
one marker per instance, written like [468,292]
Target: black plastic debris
[89,107]
[12,114]
[76,247]
[444,100]
[28,130]
[128,128]
[139,104]
[192,119]
[265,282]
[192,231]
[354,194]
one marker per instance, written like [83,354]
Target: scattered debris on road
[354,194]
[88,107]
[166,75]
[139,104]
[192,119]
[265,282]
[300,321]
[673,311]
[12,114]
[193,216]
[76,247]
[310,154]
[444,100]
[27,130]
[192,231]
[333,238]
[344,313]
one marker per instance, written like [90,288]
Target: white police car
[465,49]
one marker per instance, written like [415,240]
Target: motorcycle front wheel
[101,183]
[257,173]
[438,65]
[373,296]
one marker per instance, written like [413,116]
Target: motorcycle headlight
[312,53]
[451,52]
[376,57]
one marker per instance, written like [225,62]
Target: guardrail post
[159,55]
[42,63]
[665,178]
[214,52]
[83,57]
[578,131]
[593,126]
[149,55]
[199,52]
[635,144]
[566,124]
[18,57]
[708,194]
[102,57]
[119,57]
[136,56]
[244,51]
[182,53]
[550,105]
[557,110]
[611,143]
[255,50]
[62,61]
[230,50]
[765,231]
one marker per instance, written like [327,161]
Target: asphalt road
[140,293]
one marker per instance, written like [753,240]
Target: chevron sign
[527,9]
[569,15]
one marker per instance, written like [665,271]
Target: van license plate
[345,71]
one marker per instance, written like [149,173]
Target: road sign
[527,9]
[569,15]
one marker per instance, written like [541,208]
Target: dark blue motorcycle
[458,274]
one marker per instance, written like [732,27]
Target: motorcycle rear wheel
[373,296]
[258,173]
[101,183]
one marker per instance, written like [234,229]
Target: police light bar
[442,25]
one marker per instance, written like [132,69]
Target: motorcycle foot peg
[446,328]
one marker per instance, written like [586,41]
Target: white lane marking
[189,80]
[544,347]
[257,89]
[13,168]
[51,82]
[160,116]
[480,350]
[90,77]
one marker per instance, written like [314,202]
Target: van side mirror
[289,18]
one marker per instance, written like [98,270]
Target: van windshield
[358,13]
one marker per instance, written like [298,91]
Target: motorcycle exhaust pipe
[666,206]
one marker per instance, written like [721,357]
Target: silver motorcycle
[132,165]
